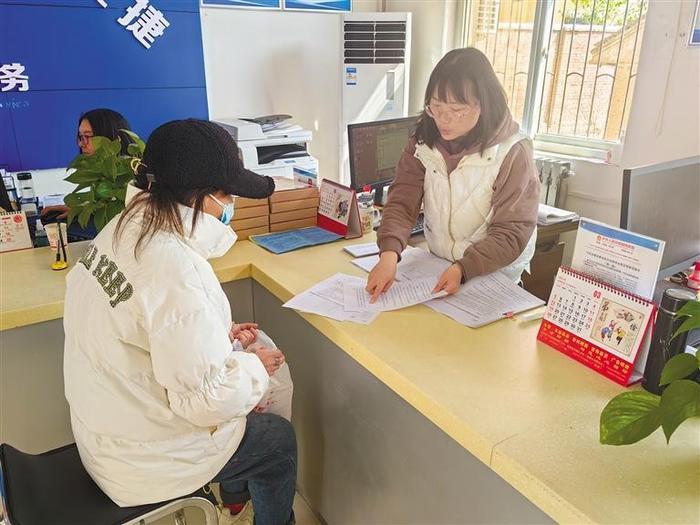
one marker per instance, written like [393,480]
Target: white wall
[432,35]
[664,122]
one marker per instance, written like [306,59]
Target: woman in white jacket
[160,404]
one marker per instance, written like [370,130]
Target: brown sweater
[515,200]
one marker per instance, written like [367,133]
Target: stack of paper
[551,215]
[480,301]
[326,299]
[343,298]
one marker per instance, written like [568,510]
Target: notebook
[604,327]
[338,218]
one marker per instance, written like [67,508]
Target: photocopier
[277,149]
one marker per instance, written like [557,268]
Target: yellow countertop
[527,411]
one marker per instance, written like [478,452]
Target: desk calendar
[603,327]
[338,211]
[14,232]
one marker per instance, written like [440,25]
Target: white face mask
[228,209]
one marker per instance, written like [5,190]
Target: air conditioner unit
[376,62]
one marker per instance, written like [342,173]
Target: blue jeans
[266,460]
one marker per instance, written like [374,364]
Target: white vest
[458,206]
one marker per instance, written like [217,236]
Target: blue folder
[287,241]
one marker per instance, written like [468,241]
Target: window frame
[534,93]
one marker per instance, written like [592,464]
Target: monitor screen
[662,201]
[375,150]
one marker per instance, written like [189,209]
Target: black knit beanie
[193,154]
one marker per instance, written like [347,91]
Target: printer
[278,151]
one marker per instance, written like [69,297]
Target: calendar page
[335,201]
[338,211]
[601,326]
[14,232]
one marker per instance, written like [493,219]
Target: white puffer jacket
[158,399]
[458,205]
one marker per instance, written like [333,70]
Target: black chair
[53,488]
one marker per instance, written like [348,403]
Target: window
[568,66]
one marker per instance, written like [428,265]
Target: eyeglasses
[447,115]
[83,138]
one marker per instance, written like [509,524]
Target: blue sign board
[143,59]
[318,5]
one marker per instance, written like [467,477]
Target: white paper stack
[478,302]
[551,215]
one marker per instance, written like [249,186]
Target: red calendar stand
[603,327]
[338,211]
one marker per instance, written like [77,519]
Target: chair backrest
[54,487]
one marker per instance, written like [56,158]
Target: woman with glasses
[472,170]
[100,122]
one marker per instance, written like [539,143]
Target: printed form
[400,295]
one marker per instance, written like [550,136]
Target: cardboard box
[289,190]
[293,215]
[292,225]
[300,204]
[243,202]
[252,222]
[261,210]
[244,234]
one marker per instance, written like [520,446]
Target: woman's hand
[450,279]
[271,358]
[382,275]
[61,209]
[246,333]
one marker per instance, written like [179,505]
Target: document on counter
[362,250]
[624,259]
[415,264]
[326,299]
[400,295]
[483,300]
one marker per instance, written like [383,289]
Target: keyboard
[418,226]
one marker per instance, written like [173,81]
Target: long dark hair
[159,203]
[467,75]
[108,123]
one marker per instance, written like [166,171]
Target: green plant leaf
[109,168]
[80,176]
[72,214]
[691,310]
[680,401]
[84,215]
[138,143]
[100,218]
[629,417]
[101,146]
[114,208]
[678,367]
[80,162]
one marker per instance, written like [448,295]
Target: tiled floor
[301,510]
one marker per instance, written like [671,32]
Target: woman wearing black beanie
[160,404]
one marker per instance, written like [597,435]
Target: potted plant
[101,180]
[632,416]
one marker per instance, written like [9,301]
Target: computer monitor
[662,201]
[375,149]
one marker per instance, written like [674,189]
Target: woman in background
[101,122]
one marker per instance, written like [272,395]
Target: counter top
[522,408]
